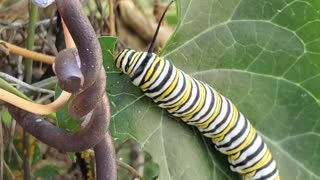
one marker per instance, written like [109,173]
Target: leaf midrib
[232,21]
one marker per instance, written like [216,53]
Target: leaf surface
[264,55]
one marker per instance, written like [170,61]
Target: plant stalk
[33,14]
[111,19]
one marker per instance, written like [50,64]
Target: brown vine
[88,84]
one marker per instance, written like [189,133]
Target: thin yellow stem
[34,107]
[13,49]
[67,36]
[130,169]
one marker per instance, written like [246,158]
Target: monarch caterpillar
[198,104]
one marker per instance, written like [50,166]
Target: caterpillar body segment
[198,104]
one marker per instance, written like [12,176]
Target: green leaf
[47,172]
[37,155]
[151,170]
[64,119]
[6,118]
[264,55]
[107,45]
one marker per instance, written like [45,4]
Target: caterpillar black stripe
[198,104]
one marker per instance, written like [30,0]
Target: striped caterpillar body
[198,104]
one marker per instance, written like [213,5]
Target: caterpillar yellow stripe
[198,104]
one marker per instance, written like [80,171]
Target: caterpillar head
[129,61]
[123,59]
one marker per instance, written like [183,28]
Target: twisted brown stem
[88,83]
[105,159]
[58,138]
[84,37]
